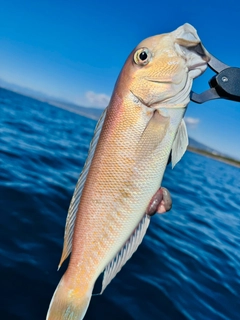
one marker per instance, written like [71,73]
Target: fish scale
[125,165]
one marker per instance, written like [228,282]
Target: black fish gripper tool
[225,84]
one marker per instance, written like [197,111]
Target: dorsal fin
[126,252]
[72,211]
[180,143]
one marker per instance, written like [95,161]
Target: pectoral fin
[180,143]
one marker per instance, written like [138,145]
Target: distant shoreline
[227,160]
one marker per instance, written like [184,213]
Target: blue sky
[74,50]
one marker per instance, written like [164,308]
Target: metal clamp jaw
[225,85]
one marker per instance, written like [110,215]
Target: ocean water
[188,266]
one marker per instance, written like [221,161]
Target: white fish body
[126,162]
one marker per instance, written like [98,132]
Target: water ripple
[188,266]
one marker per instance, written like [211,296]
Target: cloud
[191,122]
[94,99]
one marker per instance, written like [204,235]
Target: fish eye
[142,56]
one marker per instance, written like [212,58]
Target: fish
[142,125]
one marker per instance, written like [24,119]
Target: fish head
[161,68]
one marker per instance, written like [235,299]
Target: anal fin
[126,252]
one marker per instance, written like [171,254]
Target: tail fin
[69,303]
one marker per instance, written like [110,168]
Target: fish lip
[196,66]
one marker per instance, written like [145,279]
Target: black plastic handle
[227,83]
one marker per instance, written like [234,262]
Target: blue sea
[188,266]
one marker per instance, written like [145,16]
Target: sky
[74,50]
